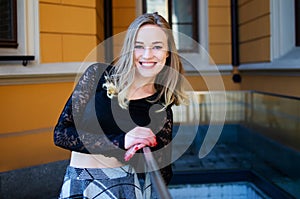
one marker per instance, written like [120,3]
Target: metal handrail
[156,178]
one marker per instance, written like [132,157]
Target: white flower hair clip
[110,87]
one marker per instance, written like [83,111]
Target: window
[182,16]
[282,28]
[22,25]
[8,25]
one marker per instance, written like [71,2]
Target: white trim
[33,29]
[41,73]
[271,66]
[282,27]
[210,70]
[280,67]
[41,69]
[203,23]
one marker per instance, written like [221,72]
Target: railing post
[156,179]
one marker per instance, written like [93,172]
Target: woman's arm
[71,133]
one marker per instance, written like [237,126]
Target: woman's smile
[147,64]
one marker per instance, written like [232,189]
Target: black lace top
[91,122]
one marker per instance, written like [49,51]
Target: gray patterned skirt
[107,183]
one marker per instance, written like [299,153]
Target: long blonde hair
[168,83]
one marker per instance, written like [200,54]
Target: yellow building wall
[68,29]
[199,83]
[29,113]
[254,30]
[279,84]
[100,20]
[124,12]
[219,29]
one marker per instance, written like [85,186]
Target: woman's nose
[147,53]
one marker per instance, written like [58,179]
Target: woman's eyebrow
[158,42]
[155,42]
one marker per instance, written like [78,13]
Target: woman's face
[150,50]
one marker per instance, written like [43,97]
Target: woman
[115,111]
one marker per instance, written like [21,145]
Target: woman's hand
[138,138]
[140,135]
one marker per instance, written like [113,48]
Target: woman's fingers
[140,135]
[132,150]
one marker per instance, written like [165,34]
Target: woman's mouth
[147,64]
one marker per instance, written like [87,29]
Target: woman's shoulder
[98,68]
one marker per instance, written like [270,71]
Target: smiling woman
[118,109]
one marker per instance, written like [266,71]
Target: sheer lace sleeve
[71,131]
[164,138]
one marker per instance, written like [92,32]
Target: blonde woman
[116,110]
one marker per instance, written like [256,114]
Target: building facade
[61,34]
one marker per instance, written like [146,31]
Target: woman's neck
[141,89]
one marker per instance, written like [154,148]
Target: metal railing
[156,178]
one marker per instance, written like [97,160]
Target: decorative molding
[210,70]
[11,74]
[26,132]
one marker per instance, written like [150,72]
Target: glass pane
[8,25]
[160,6]
[181,40]
[6,32]
[260,134]
[182,11]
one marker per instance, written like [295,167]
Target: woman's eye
[157,47]
[139,47]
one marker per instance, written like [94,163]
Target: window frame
[28,31]
[13,42]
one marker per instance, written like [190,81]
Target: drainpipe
[108,30]
[235,57]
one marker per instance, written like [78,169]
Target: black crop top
[91,122]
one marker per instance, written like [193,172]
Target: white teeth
[147,64]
